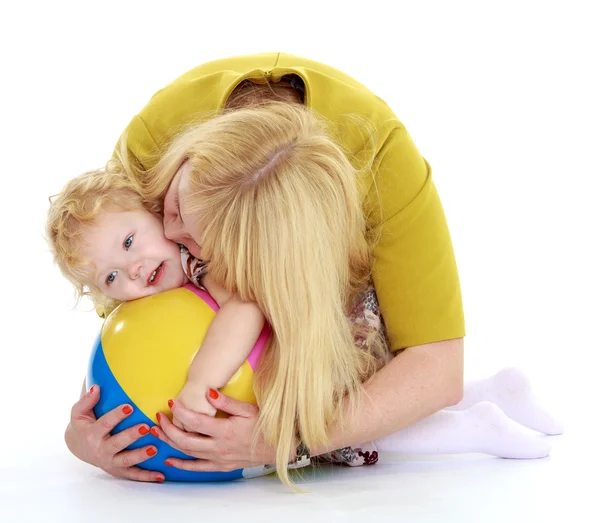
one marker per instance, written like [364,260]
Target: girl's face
[177,222]
[131,256]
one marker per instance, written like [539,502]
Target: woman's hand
[91,441]
[220,444]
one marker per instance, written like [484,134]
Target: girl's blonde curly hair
[73,211]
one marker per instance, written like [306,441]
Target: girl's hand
[90,439]
[193,397]
[220,444]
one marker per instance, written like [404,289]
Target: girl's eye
[111,278]
[127,243]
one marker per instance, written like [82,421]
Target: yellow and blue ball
[142,357]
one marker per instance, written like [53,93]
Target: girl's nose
[134,270]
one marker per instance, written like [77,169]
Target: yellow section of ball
[150,343]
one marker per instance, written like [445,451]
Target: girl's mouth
[157,275]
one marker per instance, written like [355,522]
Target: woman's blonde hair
[278,214]
[73,211]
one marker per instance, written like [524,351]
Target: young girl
[111,248]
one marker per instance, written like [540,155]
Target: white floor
[502,100]
[562,487]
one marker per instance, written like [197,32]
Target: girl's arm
[228,342]
[218,293]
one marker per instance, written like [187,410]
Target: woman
[414,271]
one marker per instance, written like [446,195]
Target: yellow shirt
[415,272]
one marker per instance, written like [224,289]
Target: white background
[500,97]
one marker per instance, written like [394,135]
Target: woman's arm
[418,382]
[415,384]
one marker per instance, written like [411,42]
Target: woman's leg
[511,391]
[483,428]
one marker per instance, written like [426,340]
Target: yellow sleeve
[414,273]
[168,112]
[195,96]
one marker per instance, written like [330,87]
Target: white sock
[482,428]
[511,391]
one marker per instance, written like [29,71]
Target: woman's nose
[174,229]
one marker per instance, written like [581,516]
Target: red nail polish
[143,430]
[170,402]
[93,387]
[213,393]
[158,416]
[168,463]
[151,452]
[159,479]
[127,409]
[154,432]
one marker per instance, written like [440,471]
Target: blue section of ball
[112,395]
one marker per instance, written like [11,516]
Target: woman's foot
[496,434]
[482,428]
[511,390]
[516,398]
